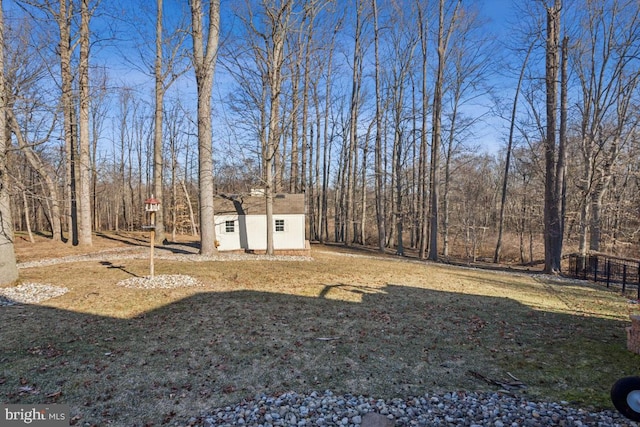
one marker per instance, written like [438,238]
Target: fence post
[595,270]
[624,277]
[638,281]
[608,272]
[587,260]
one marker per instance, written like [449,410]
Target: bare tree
[380,205]
[327,138]
[40,166]
[318,65]
[266,37]
[505,180]
[8,268]
[423,25]
[99,108]
[25,68]
[354,110]
[278,15]
[63,16]
[607,68]
[167,69]
[403,44]
[444,35]
[204,60]
[468,73]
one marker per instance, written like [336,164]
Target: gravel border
[449,409]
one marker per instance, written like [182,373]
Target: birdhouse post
[152,206]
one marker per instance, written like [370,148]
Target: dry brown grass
[346,321]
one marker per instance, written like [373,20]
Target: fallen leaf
[27,389]
[54,395]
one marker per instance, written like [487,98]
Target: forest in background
[376,109]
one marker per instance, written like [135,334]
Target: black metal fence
[607,269]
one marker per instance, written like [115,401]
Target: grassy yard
[344,321]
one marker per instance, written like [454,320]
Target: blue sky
[499,12]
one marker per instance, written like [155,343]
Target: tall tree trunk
[507,163]
[424,185]
[414,214]
[561,186]
[8,267]
[158,164]
[354,109]
[447,179]
[380,205]
[85,157]
[397,154]
[27,216]
[192,217]
[552,221]
[64,48]
[306,142]
[279,21]
[443,41]
[204,62]
[317,197]
[326,153]
[98,115]
[294,176]
[363,195]
[174,191]
[597,197]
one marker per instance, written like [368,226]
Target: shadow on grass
[127,240]
[212,349]
[111,265]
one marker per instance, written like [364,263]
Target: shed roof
[239,204]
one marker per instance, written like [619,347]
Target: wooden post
[153,239]
[624,277]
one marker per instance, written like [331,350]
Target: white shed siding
[250,232]
[228,241]
[293,236]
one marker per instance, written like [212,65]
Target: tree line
[375,109]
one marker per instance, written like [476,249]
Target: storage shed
[241,223]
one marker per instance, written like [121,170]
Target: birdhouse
[152,205]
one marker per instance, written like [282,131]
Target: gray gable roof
[283,204]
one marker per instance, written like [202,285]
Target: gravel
[450,409]
[30,293]
[165,281]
